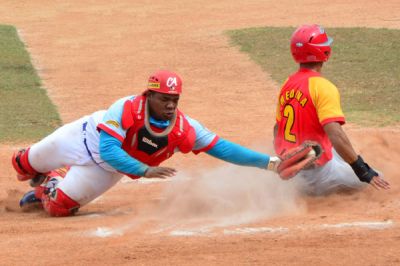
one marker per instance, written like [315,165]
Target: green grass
[27,113]
[365,66]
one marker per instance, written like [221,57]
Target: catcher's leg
[58,204]
[33,199]
[63,147]
[50,198]
[85,183]
[81,185]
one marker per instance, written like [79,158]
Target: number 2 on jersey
[288,112]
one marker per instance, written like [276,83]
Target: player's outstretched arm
[342,145]
[239,155]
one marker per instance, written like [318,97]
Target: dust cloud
[228,195]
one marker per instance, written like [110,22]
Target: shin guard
[58,204]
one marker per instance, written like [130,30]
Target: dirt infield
[90,54]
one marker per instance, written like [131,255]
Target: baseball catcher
[133,137]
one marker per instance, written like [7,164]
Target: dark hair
[311,64]
[146,93]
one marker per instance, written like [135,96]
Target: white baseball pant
[85,180]
[334,175]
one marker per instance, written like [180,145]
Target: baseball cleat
[30,202]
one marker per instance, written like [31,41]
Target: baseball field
[87,54]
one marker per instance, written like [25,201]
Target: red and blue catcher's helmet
[164,81]
[310,43]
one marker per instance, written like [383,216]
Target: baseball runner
[131,138]
[309,110]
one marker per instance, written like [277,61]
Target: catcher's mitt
[296,159]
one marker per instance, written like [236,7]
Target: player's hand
[159,172]
[366,174]
[379,183]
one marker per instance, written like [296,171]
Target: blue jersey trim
[112,153]
[236,154]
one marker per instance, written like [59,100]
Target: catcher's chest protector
[147,148]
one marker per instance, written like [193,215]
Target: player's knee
[58,204]
[21,164]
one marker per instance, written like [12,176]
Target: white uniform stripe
[140,107]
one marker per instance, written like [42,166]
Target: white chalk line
[369,225]
[199,232]
[255,230]
[374,225]
[106,232]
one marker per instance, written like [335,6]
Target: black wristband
[362,170]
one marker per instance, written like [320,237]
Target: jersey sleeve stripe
[208,147]
[340,120]
[110,132]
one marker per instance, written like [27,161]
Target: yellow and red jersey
[306,103]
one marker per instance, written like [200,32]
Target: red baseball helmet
[164,81]
[309,43]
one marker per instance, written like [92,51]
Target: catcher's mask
[310,43]
[164,81]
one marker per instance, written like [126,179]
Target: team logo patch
[172,83]
[153,85]
[150,142]
[113,123]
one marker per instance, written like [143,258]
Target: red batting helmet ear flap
[310,43]
[165,82]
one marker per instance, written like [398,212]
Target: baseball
[311,153]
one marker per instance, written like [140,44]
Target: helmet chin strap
[148,127]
